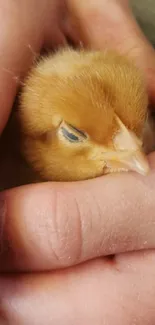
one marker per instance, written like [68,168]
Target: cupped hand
[108,215]
[49,226]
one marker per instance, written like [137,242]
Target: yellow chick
[83,114]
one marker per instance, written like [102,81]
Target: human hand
[50,226]
[96,292]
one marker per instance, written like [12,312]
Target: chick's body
[82,115]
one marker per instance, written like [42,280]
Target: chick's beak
[134,161]
[128,155]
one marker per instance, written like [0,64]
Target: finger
[101,25]
[24,31]
[54,225]
[93,293]
[15,55]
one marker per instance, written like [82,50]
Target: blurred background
[144,11]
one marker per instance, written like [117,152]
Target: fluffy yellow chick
[83,114]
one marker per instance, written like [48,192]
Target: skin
[46,227]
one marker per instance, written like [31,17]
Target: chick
[83,114]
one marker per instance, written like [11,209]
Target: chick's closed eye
[72,134]
[94,107]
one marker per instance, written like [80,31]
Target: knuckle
[65,227]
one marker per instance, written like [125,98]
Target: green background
[144,11]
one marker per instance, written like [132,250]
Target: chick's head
[82,114]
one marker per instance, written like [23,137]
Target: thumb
[110,24]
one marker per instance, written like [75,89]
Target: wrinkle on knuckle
[92,232]
[102,237]
[64,235]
